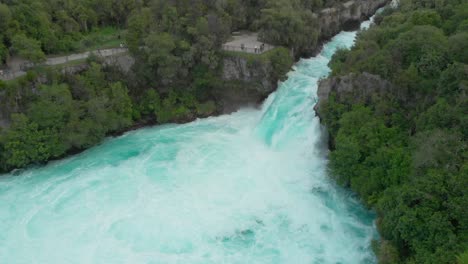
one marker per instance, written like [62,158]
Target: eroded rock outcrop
[245,81]
[244,70]
[4,120]
[346,16]
[358,88]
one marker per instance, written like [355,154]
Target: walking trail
[17,67]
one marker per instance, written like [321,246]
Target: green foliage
[28,48]
[32,28]
[404,152]
[458,47]
[426,17]
[418,43]
[463,258]
[150,102]
[177,107]
[159,48]
[287,23]
[206,109]
[3,53]
[138,26]
[372,150]
[281,62]
[119,107]
[331,113]
[62,117]
[407,159]
[204,82]
[5,17]
[25,143]
[169,109]
[171,40]
[52,108]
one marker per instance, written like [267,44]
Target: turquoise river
[249,187]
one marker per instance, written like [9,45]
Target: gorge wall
[349,89]
[4,114]
[358,88]
[346,16]
[246,81]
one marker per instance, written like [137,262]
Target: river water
[250,187]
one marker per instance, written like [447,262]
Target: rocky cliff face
[358,88]
[245,70]
[4,119]
[123,61]
[245,81]
[345,16]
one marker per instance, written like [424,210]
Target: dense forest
[34,28]
[404,150]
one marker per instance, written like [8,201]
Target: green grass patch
[106,37]
[98,38]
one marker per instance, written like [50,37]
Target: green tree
[3,51]
[138,27]
[53,107]
[284,23]
[458,47]
[120,107]
[159,52]
[413,45]
[25,143]
[426,17]
[405,153]
[28,48]
[281,62]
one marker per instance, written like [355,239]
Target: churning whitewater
[250,187]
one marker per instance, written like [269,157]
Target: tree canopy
[404,152]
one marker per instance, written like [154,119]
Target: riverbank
[398,133]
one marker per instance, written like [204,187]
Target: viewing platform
[247,42]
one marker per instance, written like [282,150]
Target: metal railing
[248,49]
